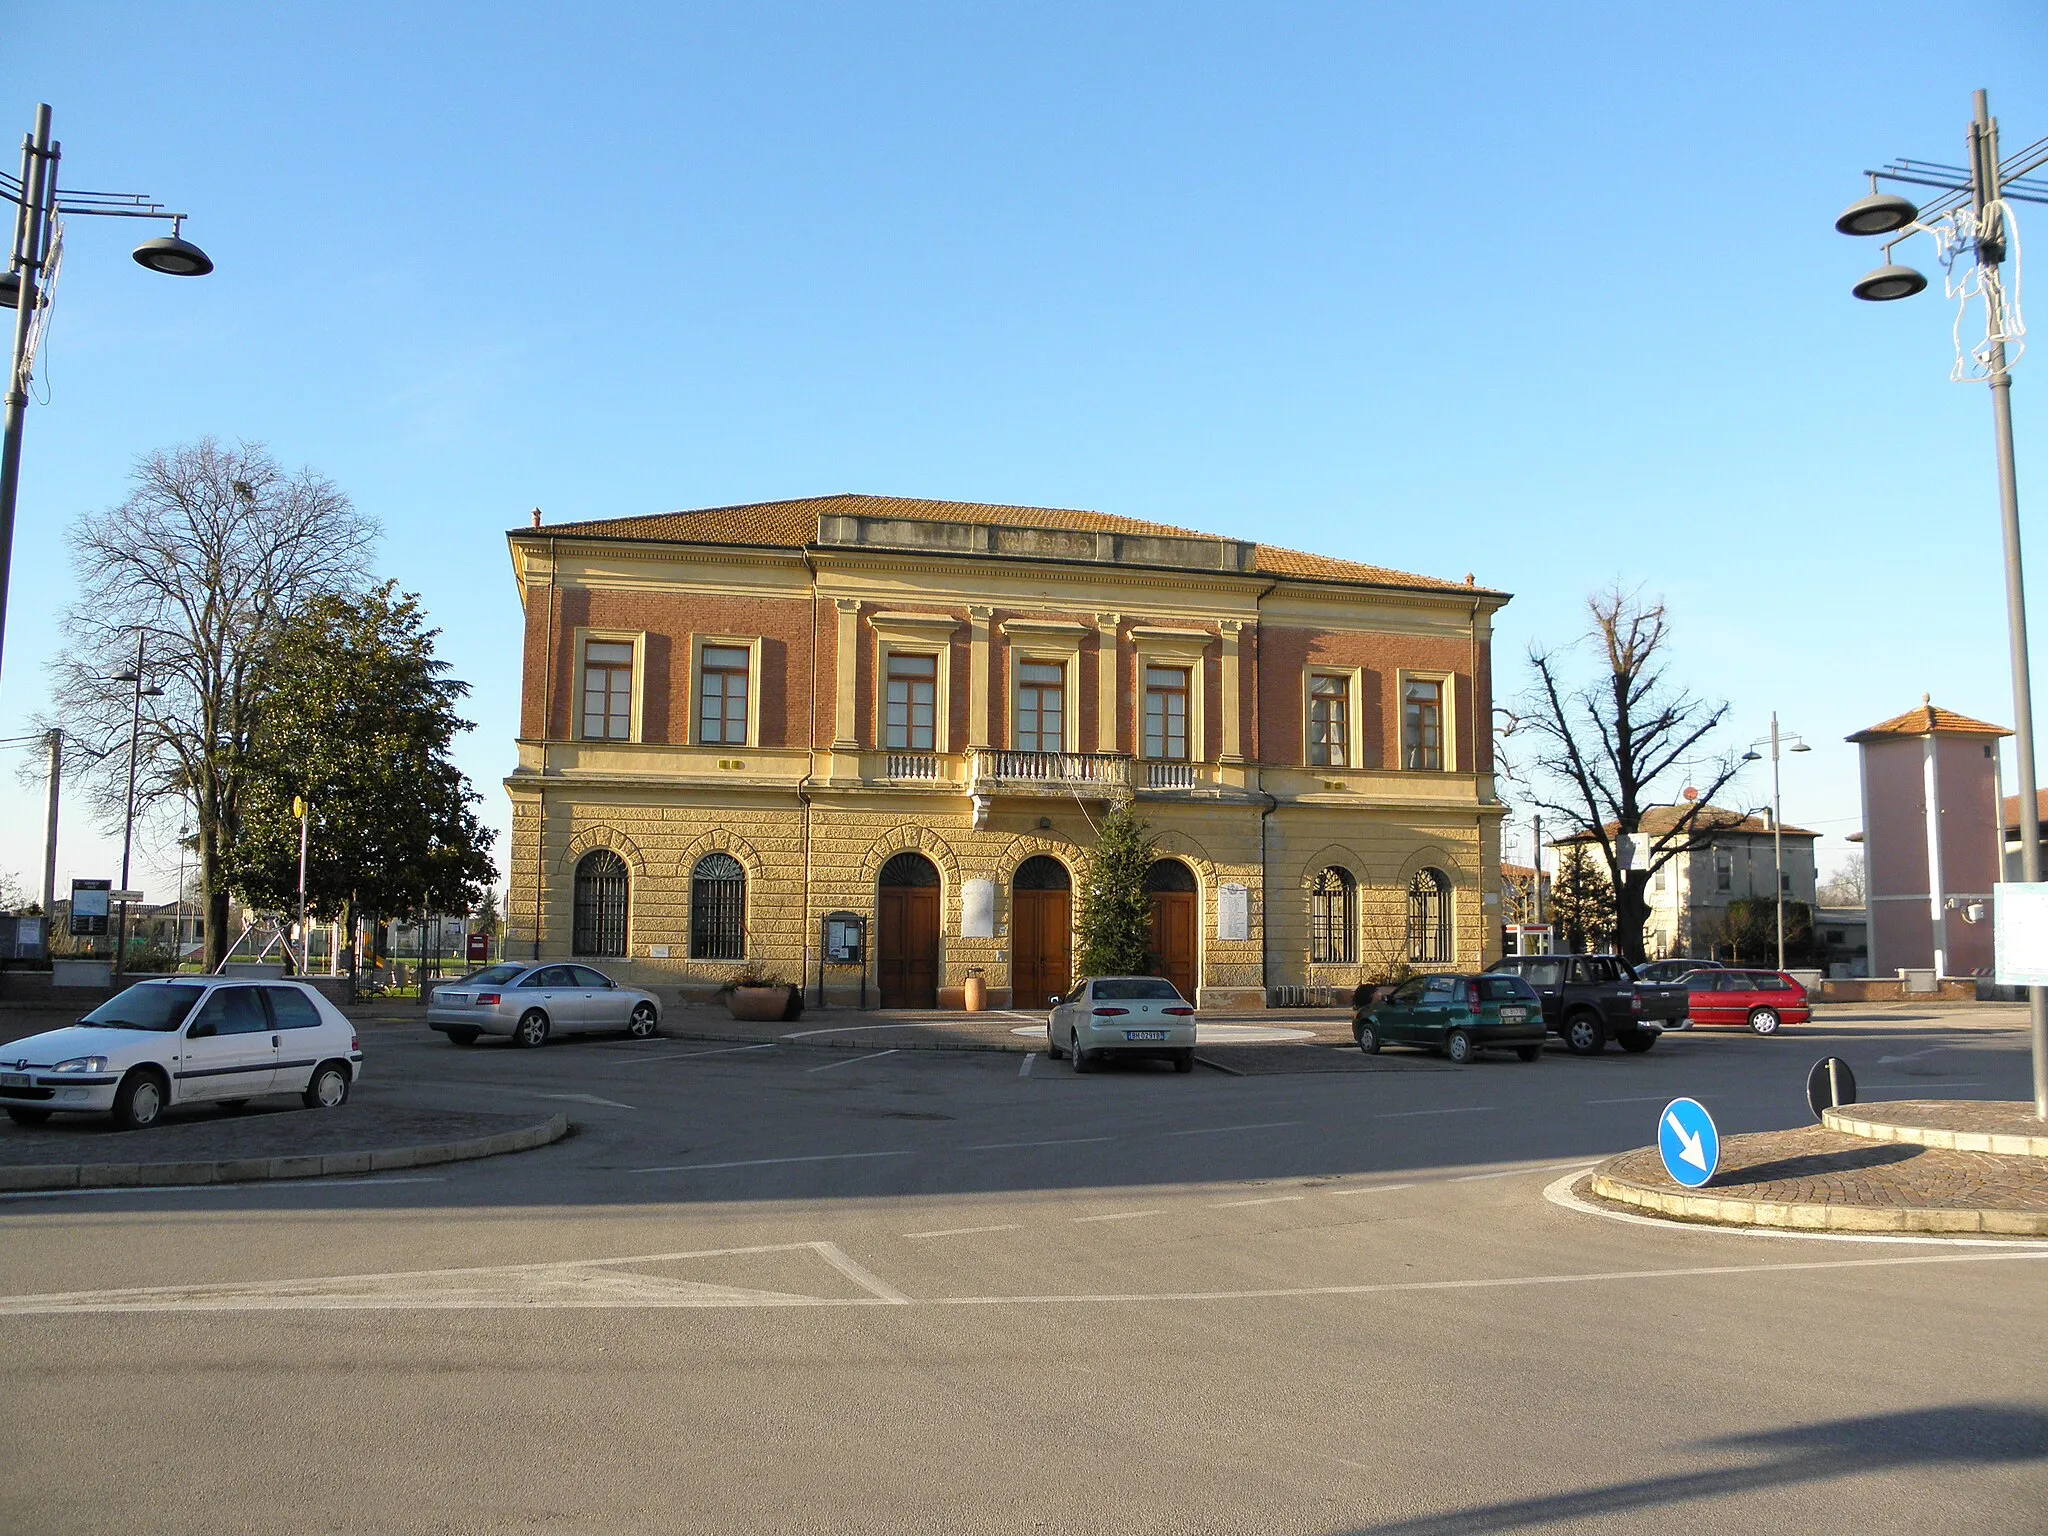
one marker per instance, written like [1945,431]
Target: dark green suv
[1457,1015]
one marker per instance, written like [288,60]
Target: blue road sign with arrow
[1690,1145]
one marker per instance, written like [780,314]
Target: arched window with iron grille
[601,897]
[718,909]
[1429,918]
[1333,918]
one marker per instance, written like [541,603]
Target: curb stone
[249,1170]
[2002,1143]
[1720,1210]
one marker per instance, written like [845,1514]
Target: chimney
[536,517]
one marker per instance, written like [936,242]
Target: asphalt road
[798,1289]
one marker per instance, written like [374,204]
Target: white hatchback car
[1124,1016]
[165,1043]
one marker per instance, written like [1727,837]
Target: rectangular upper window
[911,706]
[607,690]
[1166,713]
[1329,721]
[1041,706]
[722,695]
[1422,724]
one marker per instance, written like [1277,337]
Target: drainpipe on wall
[1272,804]
[810,774]
[540,791]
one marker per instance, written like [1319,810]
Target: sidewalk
[1824,1178]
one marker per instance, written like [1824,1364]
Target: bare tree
[1609,750]
[215,549]
[1844,888]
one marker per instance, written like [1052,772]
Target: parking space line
[1225,1205]
[1409,1114]
[723,1050]
[763,1162]
[1011,1226]
[1640,1098]
[1370,1189]
[1064,1141]
[1025,1070]
[1220,1130]
[851,1061]
[1118,1216]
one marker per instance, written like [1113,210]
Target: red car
[1763,1001]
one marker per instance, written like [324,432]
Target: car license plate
[14,1080]
[1144,1034]
[1513,1015]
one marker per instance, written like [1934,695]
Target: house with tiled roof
[1933,839]
[863,742]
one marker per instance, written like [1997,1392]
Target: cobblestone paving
[1986,1117]
[259,1131]
[1816,1166]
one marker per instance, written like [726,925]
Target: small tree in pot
[758,995]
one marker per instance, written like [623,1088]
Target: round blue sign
[1690,1145]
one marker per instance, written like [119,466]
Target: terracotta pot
[977,994]
[758,1005]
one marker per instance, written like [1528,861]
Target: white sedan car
[1122,1016]
[165,1043]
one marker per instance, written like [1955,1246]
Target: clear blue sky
[1548,294]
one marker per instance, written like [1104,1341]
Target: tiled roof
[1659,819]
[794,524]
[1929,719]
[2012,811]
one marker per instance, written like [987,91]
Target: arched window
[911,871]
[600,925]
[1169,875]
[1429,918]
[718,909]
[1333,918]
[1042,873]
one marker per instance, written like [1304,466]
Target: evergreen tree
[1582,904]
[1116,914]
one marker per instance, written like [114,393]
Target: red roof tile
[1929,719]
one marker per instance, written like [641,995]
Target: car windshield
[1135,989]
[494,975]
[155,1005]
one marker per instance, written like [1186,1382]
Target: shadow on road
[1958,1436]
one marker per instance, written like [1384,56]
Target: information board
[2019,934]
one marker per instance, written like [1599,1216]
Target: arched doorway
[1171,887]
[1041,933]
[907,932]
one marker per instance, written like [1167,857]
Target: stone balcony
[1092,775]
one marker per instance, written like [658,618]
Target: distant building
[1689,896]
[1933,839]
[2011,846]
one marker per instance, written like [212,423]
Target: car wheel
[1458,1046]
[644,1022]
[1636,1040]
[1529,1052]
[1584,1034]
[462,1036]
[531,1030]
[1183,1061]
[1083,1061]
[139,1102]
[22,1116]
[1368,1038]
[1764,1021]
[1052,1047]
[329,1087]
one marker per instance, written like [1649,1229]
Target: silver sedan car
[531,1002]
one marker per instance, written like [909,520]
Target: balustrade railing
[1051,770]
[914,767]
[1169,775]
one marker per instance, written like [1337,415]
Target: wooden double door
[1041,933]
[1170,887]
[907,933]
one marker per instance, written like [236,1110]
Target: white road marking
[1640,1098]
[1370,1189]
[1509,1173]
[1119,1216]
[1012,1226]
[1025,1069]
[580,1098]
[850,1061]
[763,1162]
[865,1278]
[1501,1282]
[1885,1061]
[854,1029]
[280,1185]
[1409,1114]
[1220,1130]
[723,1050]
[1225,1205]
[1003,1146]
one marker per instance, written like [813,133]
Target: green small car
[1457,1015]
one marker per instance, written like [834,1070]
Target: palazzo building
[746,731]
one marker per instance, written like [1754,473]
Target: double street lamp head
[1889,282]
[1878,214]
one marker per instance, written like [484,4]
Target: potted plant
[759,996]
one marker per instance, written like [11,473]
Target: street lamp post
[1973,216]
[128,819]
[30,282]
[302,810]
[1777,822]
